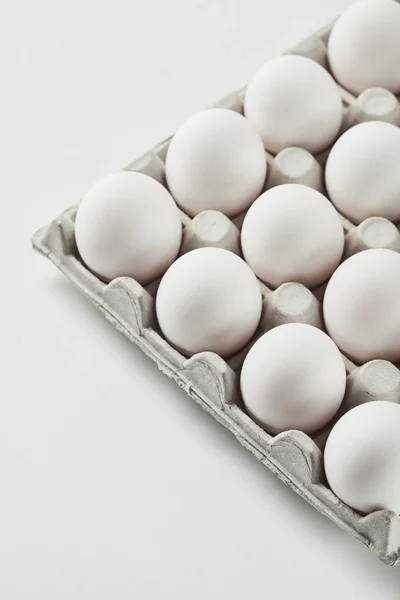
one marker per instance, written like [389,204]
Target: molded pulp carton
[293,456]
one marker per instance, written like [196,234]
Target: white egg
[209,300]
[293,378]
[361,306]
[216,160]
[293,101]
[292,233]
[362,457]
[128,224]
[364,46]
[362,172]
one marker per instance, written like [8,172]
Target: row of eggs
[129,224]
[294,378]
[362,457]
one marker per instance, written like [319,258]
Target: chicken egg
[216,160]
[209,300]
[362,457]
[364,46]
[362,173]
[293,101]
[293,378]
[292,233]
[361,306]
[128,224]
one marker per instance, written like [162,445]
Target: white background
[113,484]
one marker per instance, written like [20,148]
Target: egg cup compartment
[213,382]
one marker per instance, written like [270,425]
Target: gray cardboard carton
[293,456]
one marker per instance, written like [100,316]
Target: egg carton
[296,458]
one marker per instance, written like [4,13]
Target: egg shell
[293,378]
[362,172]
[215,161]
[293,101]
[292,233]
[362,457]
[364,46]
[361,306]
[209,300]
[128,224]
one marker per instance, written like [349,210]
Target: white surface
[91,507]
